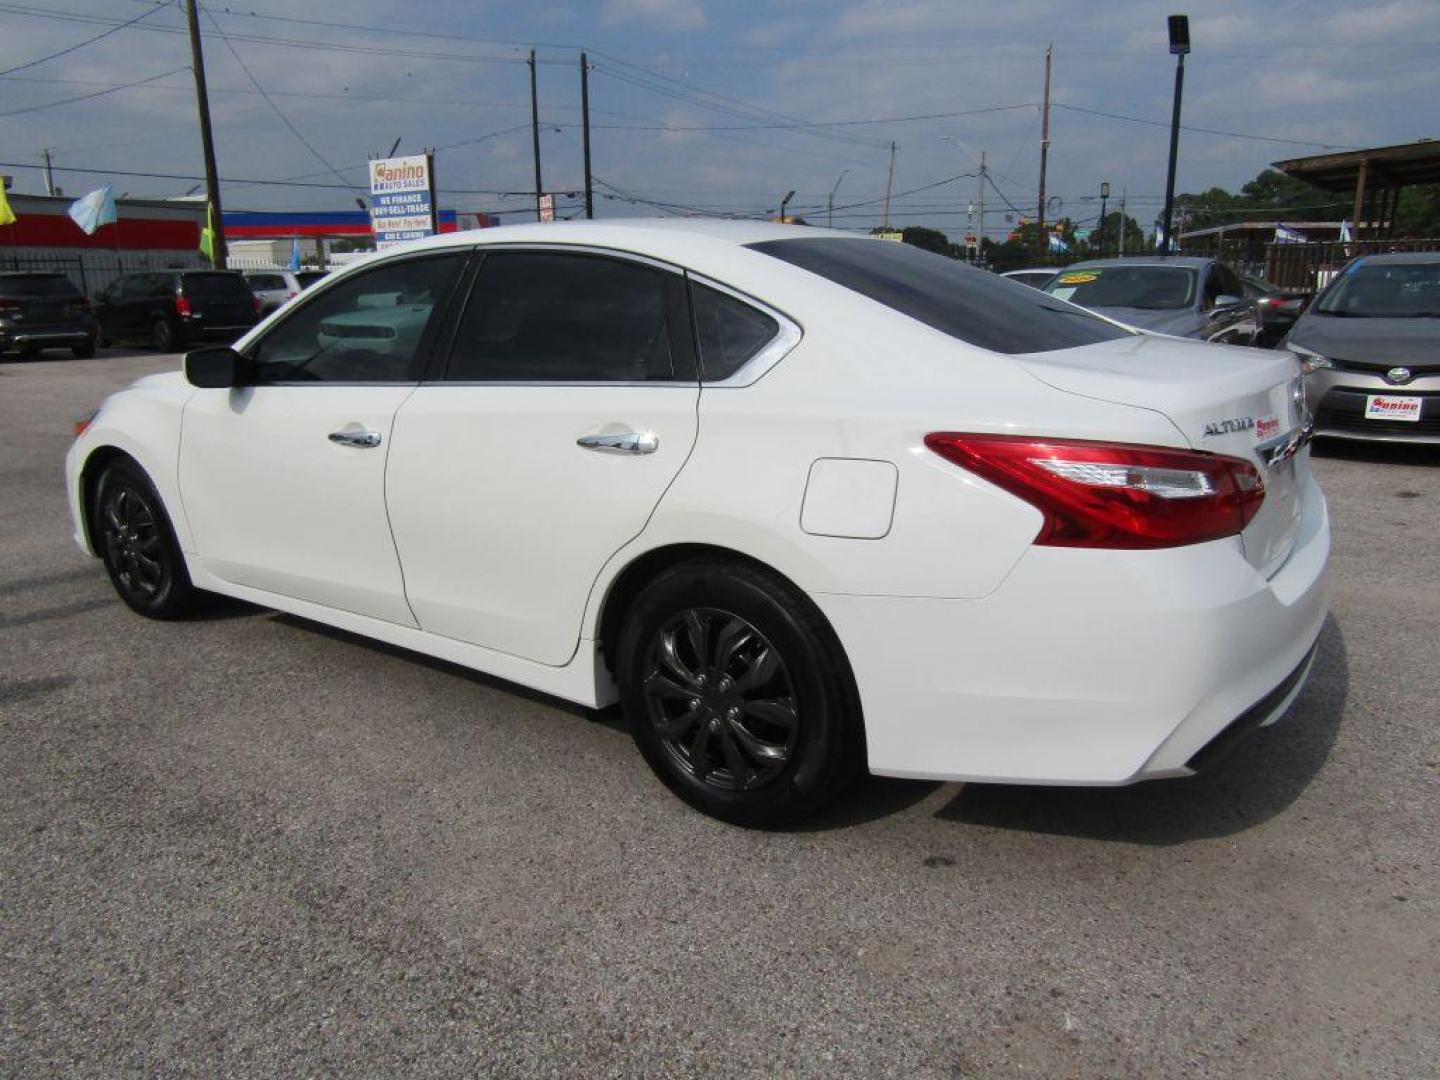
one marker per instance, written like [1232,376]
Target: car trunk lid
[222,299]
[1245,403]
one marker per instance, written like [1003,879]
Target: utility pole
[207,138]
[585,125]
[1044,147]
[49,175]
[534,132]
[1104,198]
[980,232]
[889,182]
[1120,240]
[1179,45]
[830,204]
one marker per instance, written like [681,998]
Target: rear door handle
[630,442]
[364,439]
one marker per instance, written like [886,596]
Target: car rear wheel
[138,546]
[162,336]
[739,694]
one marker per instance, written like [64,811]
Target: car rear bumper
[46,337]
[1338,397]
[1087,667]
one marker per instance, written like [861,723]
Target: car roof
[1194,262]
[1401,258]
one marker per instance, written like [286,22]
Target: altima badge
[1228,427]
[1398,375]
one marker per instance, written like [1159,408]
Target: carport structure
[1376,176]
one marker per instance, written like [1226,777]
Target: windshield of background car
[306,278]
[37,286]
[216,287]
[1384,291]
[972,305]
[1152,288]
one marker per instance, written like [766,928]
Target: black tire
[727,671]
[138,546]
[83,352]
[162,335]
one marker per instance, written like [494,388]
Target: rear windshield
[1151,288]
[1384,291]
[200,286]
[43,286]
[969,304]
[306,278]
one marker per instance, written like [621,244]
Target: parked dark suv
[169,308]
[44,311]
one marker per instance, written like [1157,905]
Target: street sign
[402,199]
[547,207]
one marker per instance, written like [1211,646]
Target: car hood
[1377,341]
[1181,323]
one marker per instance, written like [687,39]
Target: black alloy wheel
[738,692]
[721,699]
[138,545]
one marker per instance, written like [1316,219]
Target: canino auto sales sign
[402,199]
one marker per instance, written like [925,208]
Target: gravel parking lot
[248,844]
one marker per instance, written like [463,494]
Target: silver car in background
[1370,346]
[1166,294]
[276,288]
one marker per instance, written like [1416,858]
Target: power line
[1202,130]
[96,94]
[278,112]
[81,45]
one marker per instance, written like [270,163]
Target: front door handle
[630,442]
[355,438]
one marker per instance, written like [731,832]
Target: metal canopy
[1401,166]
[1376,176]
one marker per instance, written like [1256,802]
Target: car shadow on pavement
[1378,452]
[1267,772]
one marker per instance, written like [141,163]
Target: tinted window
[158,286]
[306,278]
[956,299]
[368,328]
[40,286]
[1151,288]
[552,317]
[266,281]
[1383,291]
[729,331]
[216,286]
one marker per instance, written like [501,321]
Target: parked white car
[805,503]
[276,288]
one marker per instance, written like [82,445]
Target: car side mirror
[217,367]
[1225,300]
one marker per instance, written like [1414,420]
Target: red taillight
[7,306]
[255,303]
[182,306]
[1113,495]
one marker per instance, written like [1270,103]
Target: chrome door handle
[630,442]
[355,438]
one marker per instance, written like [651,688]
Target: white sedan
[805,503]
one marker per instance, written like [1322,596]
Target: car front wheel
[739,694]
[138,545]
[162,336]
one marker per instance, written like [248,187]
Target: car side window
[1230,284]
[729,331]
[537,316]
[134,287]
[266,281]
[368,328]
[160,286]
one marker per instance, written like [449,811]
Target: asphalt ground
[248,845]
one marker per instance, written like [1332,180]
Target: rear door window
[972,305]
[216,287]
[729,331]
[266,282]
[541,316]
[38,286]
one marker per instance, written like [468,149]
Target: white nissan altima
[805,503]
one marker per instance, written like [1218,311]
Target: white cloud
[656,14]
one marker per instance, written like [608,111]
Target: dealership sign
[402,199]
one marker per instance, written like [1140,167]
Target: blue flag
[93,210]
[295,254]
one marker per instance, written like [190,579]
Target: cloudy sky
[705,106]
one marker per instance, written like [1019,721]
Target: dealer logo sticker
[1389,407]
[1267,427]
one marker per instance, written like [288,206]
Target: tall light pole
[207,140]
[830,205]
[784,203]
[1179,46]
[1104,198]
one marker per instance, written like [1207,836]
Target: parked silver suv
[276,288]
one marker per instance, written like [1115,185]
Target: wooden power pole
[535,133]
[207,138]
[1044,150]
[585,126]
